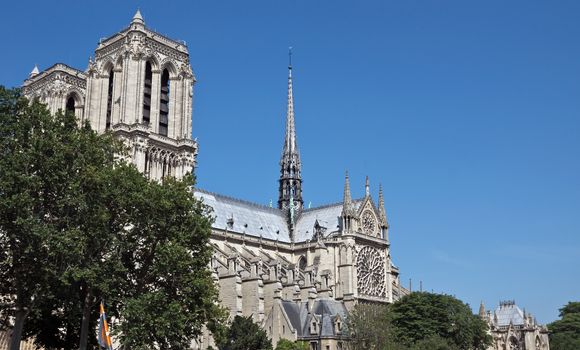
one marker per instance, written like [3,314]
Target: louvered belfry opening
[147,94]
[164,104]
[70,104]
[110,100]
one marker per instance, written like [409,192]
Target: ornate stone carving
[165,50]
[369,223]
[370,268]
[57,80]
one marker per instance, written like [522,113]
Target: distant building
[297,271]
[514,329]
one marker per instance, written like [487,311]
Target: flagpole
[104,337]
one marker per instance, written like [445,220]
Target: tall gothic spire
[382,211]
[290,187]
[347,207]
[482,310]
[347,199]
[290,145]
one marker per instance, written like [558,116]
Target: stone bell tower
[140,87]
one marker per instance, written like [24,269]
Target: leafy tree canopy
[371,327]
[285,344]
[243,334]
[79,225]
[418,321]
[422,315]
[565,333]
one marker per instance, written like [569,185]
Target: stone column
[116,102]
[173,98]
[230,291]
[253,295]
[155,96]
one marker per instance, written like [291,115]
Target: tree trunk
[87,306]
[17,330]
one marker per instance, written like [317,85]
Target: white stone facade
[138,86]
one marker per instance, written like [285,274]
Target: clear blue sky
[468,113]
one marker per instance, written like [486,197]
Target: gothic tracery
[370,267]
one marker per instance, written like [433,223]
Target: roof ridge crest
[241,201]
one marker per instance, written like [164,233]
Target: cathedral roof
[325,309]
[328,216]
[509,312]
[257,220]
[245,217]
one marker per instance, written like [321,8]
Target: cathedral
[296,271]
[514,329]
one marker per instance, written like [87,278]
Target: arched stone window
[110,99]
[514,344]
[164,104]
[147,93]
[70,104]
[538,343]
[302,263]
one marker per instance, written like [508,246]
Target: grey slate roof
[328,216]
[509,313]
[269,223]
[324,309]
[249,218]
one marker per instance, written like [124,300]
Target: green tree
[33,165]
[285,344]
[565,333]
[77,225]
[370,326]
[243,334]
[420,316]
[170,294]
[434,343]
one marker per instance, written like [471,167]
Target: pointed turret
[34,72]
[138,18]
[347,199]
[382,210]
[290,187]
[367,188]
[347,207]
[482,310]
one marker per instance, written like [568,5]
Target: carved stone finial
[138,18]
[347,199]
[367,188]
[481,310]
[382,210]
[34,72]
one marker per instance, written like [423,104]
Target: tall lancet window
[147,94]
[70,104]
[164,104]
[110,99]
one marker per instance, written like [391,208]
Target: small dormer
[320,228]
[315,325]
[338,324]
